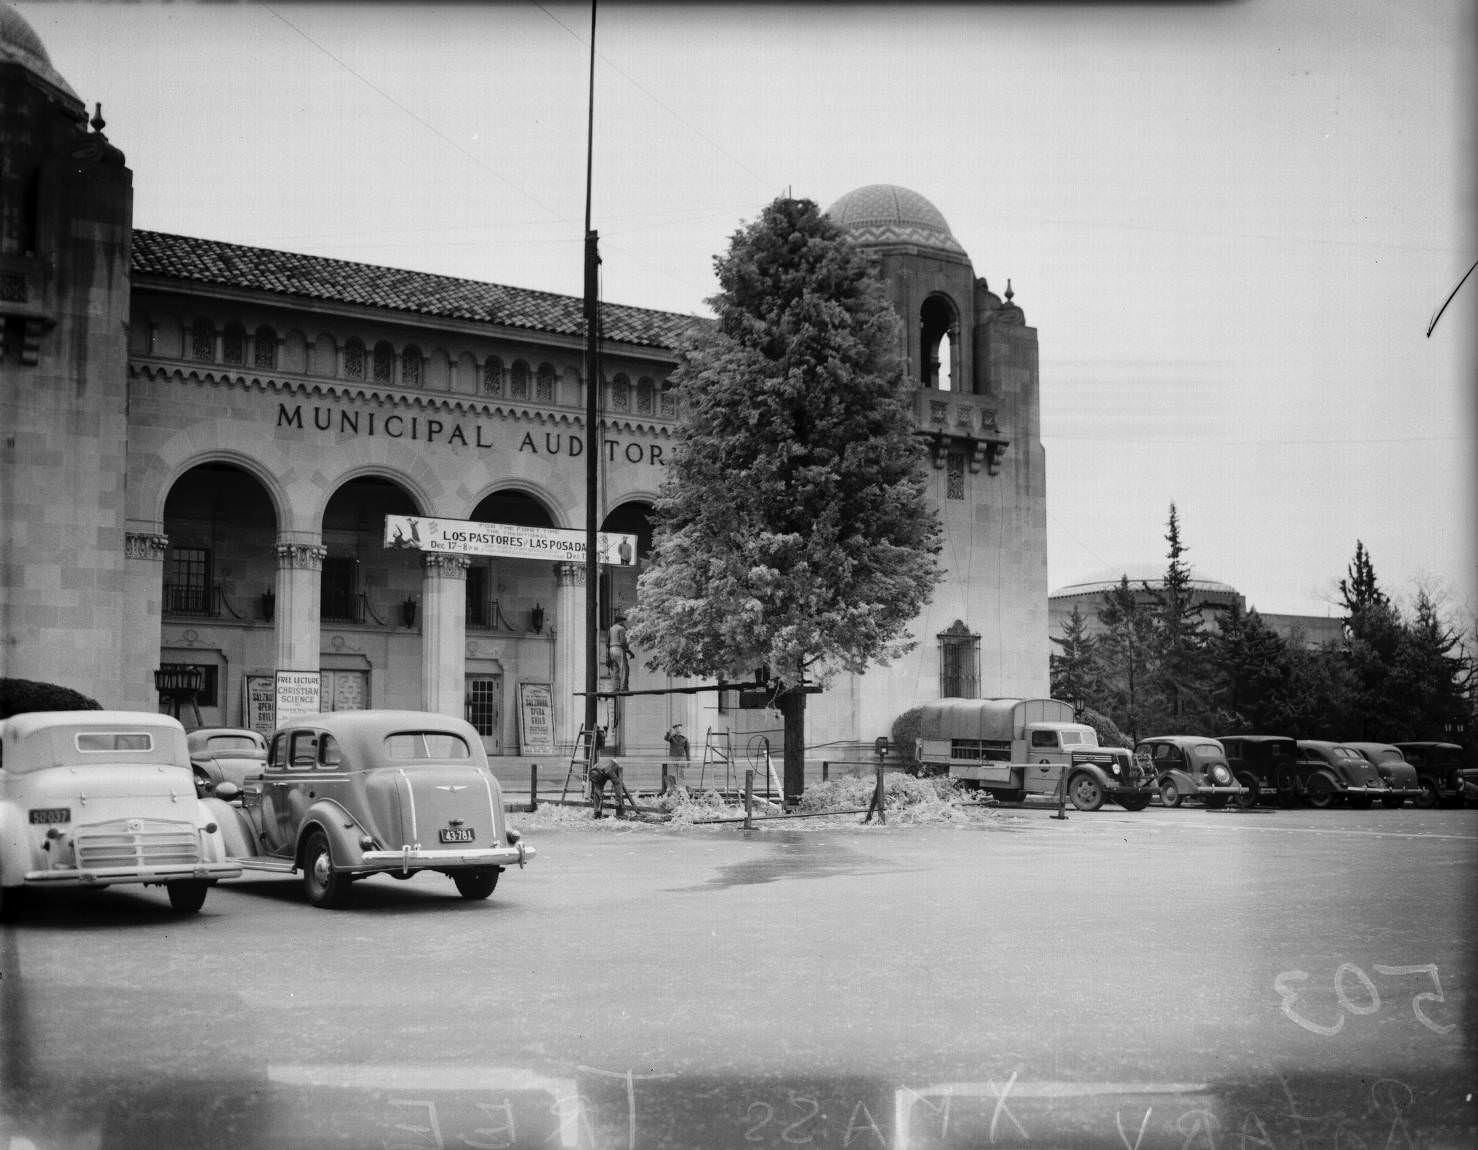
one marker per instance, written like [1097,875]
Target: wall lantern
[269,605]
[408,612]
[536,618]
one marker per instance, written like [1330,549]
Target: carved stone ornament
[445,566]
[145,545]
[569,574]
[301,556]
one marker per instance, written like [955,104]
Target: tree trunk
[793,710]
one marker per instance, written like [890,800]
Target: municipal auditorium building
[200,444]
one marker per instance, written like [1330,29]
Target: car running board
[266,862]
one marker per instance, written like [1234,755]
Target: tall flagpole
[592,444]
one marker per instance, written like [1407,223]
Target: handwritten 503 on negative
[1363,998]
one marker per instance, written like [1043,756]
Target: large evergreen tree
[793,530]
[1076,672]
[1126,650]
[1178,672]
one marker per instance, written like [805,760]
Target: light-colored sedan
[103,798]
[352,794]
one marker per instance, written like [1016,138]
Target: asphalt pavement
[1168,978]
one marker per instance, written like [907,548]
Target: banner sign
[535,719]
[505,540]
[298,693]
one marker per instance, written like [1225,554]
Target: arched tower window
[233,344]
[354,359]
[939,339]
[410,367]
[492,376]
[203,340]
[264,348]
[384,363]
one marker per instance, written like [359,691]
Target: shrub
[1108,731]
[19,695]
[905,738]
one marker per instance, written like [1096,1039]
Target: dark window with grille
[187,581]
[959,663]
[264,348]
[477,596]
[340,590]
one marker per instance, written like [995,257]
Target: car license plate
[457,834]
[51,815]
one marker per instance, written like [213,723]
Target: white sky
[1231,223]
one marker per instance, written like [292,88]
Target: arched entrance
[218,603]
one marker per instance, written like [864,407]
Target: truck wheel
[325,886]
[187,897]
[476,884]
[1170,794]
[1320,792]
[1249,800]
[1134,802]
[1085,792]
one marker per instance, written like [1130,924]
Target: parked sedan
[101,798]
[1399,775]
[1267,765]
[1190,767]
[1333,772]
[1443,773]
[225,754]
[357,793]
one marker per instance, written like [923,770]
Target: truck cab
[1016,748]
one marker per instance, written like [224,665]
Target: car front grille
[145,844]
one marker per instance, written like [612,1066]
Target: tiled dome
[887,214]
[19,44]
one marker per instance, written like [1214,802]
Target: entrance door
[345,690]
[485,709]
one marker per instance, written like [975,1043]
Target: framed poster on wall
[259,705]
[535,719]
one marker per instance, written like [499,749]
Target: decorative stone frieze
[439,566]
[145,545]
[301,556]
[569,574]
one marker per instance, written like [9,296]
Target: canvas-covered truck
[1015,748]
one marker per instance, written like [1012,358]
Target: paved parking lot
[1163,979]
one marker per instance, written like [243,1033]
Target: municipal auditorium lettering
[429,429]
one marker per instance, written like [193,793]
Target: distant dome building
[885,215]
[1211,597]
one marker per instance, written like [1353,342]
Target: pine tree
[1251,674]
[1179,668]
[793,530]
[1125,652]
[1076,675]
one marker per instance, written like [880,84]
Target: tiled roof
[293,275]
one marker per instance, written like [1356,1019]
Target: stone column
[296,618]
[141,626]
[569,648]
[444,633]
